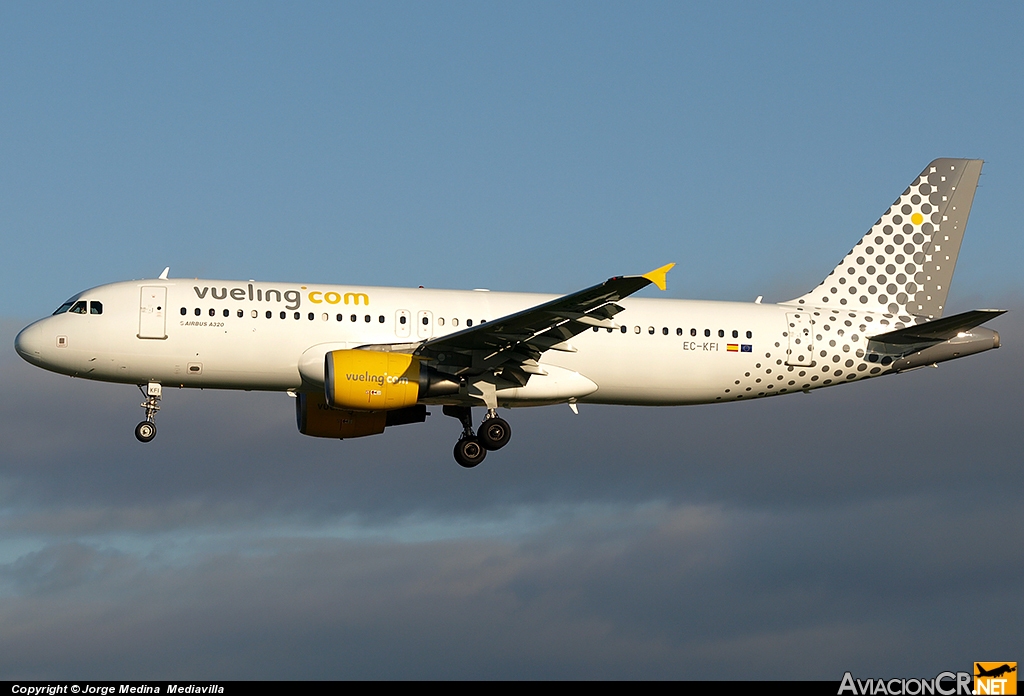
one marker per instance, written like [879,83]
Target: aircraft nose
[29,343]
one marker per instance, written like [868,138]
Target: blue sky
[517,147]
[525,146]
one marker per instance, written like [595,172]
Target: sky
[524,147]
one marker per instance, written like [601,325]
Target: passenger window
[269,315]
[227,312]
[455,322]
[721,333]
[241,314]
[340,317]
[693,332]
[707,333]
[623,329]
[664,331]
[311,316]
[184,311]
[380,319]
[213,312]
[367,318]
[650,330]
[198,311]
[426,321]
[596,329]
[440,322]
[401,320]
[297,315]
[636,329]
[353,317]
[255,314]
[750,335]
[67,305]
[284,315]
[469,322]
[679,332]
[735,333]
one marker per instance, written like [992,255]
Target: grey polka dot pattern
[898,275]
[904,264]
[840,354]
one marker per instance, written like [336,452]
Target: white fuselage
[253,336]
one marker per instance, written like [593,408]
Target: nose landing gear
[146,430]
[494,433]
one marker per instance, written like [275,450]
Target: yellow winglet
[657,276]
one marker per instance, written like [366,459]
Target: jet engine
[369,380]
[317,419]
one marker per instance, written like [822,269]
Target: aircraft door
[800,331]
[403,323]
[153,312]
[424,324]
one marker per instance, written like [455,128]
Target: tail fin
[905,262]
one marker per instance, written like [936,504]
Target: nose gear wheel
[145,431]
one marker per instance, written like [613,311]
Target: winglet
[657,276]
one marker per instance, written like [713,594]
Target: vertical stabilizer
[904,264]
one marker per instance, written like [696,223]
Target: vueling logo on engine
[292,297]
[376,379]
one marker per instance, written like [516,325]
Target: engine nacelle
[369,380]
[317,419]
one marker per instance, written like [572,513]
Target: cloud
[684,591]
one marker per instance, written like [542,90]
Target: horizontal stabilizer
[939,329]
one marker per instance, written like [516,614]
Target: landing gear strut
[494,433]
[146,430]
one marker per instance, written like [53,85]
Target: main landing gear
[493,434]
[146,430]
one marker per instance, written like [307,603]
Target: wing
[510,346]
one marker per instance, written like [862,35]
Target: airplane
[359,359]
[995,671]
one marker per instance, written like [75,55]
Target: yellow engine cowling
[369,380]
[317,419]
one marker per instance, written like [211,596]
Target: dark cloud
[873,527]
[667,592]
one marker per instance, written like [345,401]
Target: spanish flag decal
[733,348]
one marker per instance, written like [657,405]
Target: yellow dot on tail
[917,218]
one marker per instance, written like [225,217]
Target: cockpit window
[63,308]
[95,307]
[78,307]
